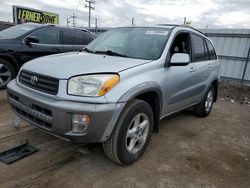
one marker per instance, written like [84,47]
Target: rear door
[68,40]
[201,60]
[212,64]
[49,43]
[82,38]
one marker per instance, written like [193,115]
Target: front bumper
[55,116]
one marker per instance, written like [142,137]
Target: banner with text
[23,15]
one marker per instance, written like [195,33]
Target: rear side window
[199,49]
[68,37]
[207,55]
[211,50]
[83,38]
[48,36]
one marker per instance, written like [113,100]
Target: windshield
[16,31]
[141,43]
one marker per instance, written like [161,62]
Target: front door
[49,43]
[180,85]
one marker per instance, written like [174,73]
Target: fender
[213,78]
[216,88]
[140,89]
[144,88]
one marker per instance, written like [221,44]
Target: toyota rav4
[118,89]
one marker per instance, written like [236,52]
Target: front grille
[38,115]
[43,83]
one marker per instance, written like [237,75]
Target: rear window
[199,50]
[211,50]
[83,38]
[68,37]
[75,37]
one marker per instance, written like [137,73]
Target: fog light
[80,123]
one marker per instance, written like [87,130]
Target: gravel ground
[187,152]
[234,92]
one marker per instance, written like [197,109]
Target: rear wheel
[7,73]
[130,137]
[204,108]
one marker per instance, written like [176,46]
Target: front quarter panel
[136,80]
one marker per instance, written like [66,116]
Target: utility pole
[90,2]
[74,17]
[185,20]
[95,25]
[206,28]
[133,20]
[68,22]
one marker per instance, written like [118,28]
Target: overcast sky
[112,13]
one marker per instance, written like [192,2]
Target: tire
[204,108]
[7,73]
[118,146]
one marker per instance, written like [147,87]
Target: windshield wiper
[109,52]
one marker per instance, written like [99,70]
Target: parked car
[22,43]
[119,88]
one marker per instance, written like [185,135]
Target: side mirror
[179,59]
[31,39]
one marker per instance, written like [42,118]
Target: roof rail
[50,24]
[183,25]
[168,25]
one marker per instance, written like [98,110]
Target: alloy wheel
[209,101]
[137,133]
[5,75]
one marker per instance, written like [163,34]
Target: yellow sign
[189,23]
[23,15]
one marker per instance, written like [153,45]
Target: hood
[66,65]
[7,42]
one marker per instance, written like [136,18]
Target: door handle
[192,69]
[210,66]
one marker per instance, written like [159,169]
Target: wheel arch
[215,84]
[10,59]
[149,92]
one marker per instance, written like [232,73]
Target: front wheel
[204,108]
[131,135]
[7,73]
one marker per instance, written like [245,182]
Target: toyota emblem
[33,80]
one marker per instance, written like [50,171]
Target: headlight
[92,85]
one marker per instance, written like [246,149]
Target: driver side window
[47,36]
[181,44]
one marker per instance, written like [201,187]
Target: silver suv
[117,90]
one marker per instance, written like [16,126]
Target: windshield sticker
[154,32]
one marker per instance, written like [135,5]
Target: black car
[22,43]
